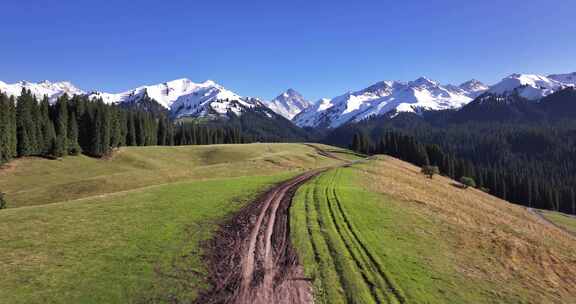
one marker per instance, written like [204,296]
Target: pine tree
[26,125]
[4,129]
[95,147]
[12,137]
[47,130]
[131,130]
[115,128]
[2,201]
[105,129]
[356,145]
[61,125]
[73,133]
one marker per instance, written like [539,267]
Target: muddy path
[251,258]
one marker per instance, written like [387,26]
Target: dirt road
[251,258]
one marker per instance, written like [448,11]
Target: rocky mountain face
[289,103]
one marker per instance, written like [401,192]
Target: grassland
[128,229]
[35,181]
[380,232]
[565,221]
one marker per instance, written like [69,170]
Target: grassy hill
[128,229]
[380,232]
[36,181]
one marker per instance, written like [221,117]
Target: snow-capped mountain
[186,98]
[288,104]
[529,86]
[44,88]
[564,78]
[473,88]
[386,97]
[183,98]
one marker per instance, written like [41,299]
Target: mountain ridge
[185,98]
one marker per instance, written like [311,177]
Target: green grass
[565,221]
[120,248]
[34,181]
[128,229]
[360,246]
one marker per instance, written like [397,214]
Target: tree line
[521,180]
[74,125]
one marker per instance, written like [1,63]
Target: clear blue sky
[259,48]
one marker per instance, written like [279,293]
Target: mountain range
[184,98]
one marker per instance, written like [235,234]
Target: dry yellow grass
[490,239]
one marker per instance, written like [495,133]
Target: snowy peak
[473,88]
[530,86]
[564,78]
[44,88]
[164,93]
[384,97]
[288,104]
[423,82]
[183,97]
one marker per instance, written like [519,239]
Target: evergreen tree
[26,125]
[131,130]
[2,201]
[4,129]
[12,149]
[61,125]
[73,133]
[47,131]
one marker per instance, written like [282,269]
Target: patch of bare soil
[251,259]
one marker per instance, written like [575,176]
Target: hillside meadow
[128,229]
[381,232]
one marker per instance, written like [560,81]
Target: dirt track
[547,222]
[251,258]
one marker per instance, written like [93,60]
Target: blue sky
[260,48]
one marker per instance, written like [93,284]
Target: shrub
[467,181]
[2,201]
[430,171]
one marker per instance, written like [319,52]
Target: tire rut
[349,248]
[251,258]
[371,259]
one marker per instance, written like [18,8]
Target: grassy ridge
[348,241]
[128,229]
[380,232]
[33,181]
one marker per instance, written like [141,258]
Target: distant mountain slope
[387,97]
[44,88]
[422,95]
[262,124]
[529,86]
[288,104]
[515,108]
